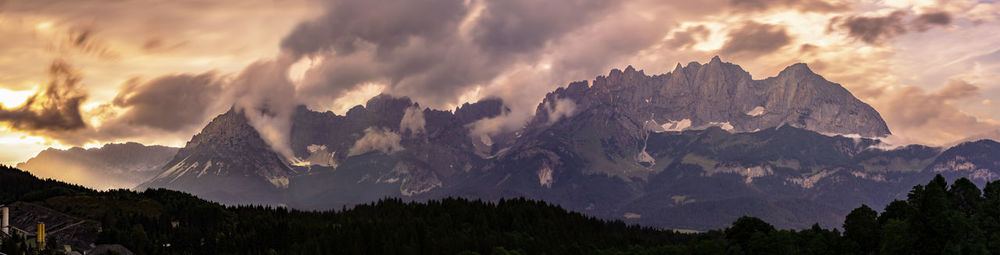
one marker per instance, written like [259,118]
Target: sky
[91,72]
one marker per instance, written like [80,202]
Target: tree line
[936,218]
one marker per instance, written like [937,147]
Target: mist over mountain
[113,166]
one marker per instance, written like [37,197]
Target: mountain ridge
[723,94]
[628,146]
[114,165]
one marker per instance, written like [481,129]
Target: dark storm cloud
[385,24]
[876,30]
[688,37]
[55,107]
[871,30]
[517,26]
[169,103]
[802,5]
[926,21]
[755,39]
[376,41]
[422,49]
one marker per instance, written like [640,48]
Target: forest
[936,218]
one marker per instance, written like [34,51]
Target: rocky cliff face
[113,166]
[979,161]
[721,94]
[419,149]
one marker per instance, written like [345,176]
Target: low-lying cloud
[560,108]
[376,139]
[267,97]
[933,116]
[413,121]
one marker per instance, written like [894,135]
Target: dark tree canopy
[935,219]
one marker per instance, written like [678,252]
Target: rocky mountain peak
[226,150]
[722,94]
[486,108]
[715,60]
[384,103]
[797,69]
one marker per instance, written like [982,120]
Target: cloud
[169,103]
[431,51]
[561,108]
[877,29]
[413,120]
[442,53]
[926,21]
[521,26]
[688,37]
[872,30]
[55,107]
[376,139]
[802,5]
[957,89]
[267,97]
[933,117]
[754,39]
[386,24]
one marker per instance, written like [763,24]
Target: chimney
[40,234]
[5,221]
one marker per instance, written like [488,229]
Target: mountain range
[691,149]
[123,165]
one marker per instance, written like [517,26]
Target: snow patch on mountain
[680,200]
[868,176]
[545,177]
[205,170]
[183,170]
[676,125]
[318,156]
[749,172]
[725,125]
[756,111]
[644,157]
[486,140]
[808,182]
